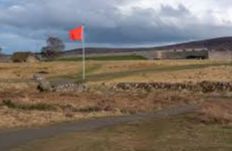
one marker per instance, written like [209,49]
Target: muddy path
[12,138]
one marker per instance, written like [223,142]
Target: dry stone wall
[220,55]
[204,86]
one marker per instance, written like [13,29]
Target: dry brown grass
[12,71]
[216,112]
[118,66]
[11,118]
[26,70]
[10,86]
[220,73]
[69,106]
[15,86]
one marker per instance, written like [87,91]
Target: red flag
[76,34]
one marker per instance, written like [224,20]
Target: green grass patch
[104,58]
[38,106]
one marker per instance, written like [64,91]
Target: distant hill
[223,43]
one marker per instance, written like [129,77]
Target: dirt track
[12,139]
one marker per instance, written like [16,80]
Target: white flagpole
[83,54]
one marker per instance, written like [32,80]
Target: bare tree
[54,47]
[55,43]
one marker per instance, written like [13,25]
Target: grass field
[22,105]
[176,133]
[121,71]
[28,107]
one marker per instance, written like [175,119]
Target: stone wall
[169,54]
[204,86]
[220,55]
[180,55]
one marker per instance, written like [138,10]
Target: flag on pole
[76,34]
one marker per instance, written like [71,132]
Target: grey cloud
[169,11]
[45,14]
[33,20]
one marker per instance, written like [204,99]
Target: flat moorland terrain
[22,105]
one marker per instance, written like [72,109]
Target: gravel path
[12,139]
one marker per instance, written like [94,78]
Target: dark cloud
[25,24]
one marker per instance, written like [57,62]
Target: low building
[24,57]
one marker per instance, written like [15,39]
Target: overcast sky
[25,24]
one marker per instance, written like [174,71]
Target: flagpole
[83,54]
